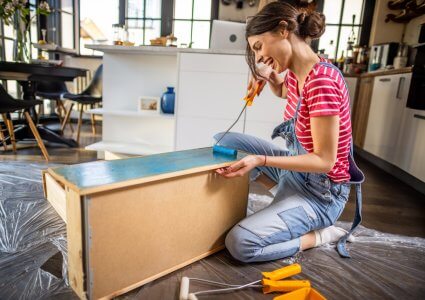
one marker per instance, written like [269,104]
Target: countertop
[382,72]
[160,50]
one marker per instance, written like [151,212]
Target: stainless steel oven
[416,98]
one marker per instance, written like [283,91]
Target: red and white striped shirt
[324,94]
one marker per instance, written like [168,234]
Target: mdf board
[131,221]
[360,113]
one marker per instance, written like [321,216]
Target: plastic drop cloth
[30,233]
[384,266]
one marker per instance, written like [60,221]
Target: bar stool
[91,95]
[8,105]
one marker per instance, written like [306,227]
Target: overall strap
[357,178]
[341,245]
[300,98]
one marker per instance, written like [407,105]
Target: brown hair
[307,25]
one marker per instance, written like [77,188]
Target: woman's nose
[258,58]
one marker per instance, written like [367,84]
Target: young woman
[312,174]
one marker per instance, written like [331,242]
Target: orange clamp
[301,294]
[249,100]
[282,273]
[270,286]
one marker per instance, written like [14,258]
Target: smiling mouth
[269,61]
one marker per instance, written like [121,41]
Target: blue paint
[99,173]
[225,151]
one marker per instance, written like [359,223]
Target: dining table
[28,75]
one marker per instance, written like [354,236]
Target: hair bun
[301,18]
[311,25]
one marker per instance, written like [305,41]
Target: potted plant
[16,13]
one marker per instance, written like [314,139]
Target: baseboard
[392,169]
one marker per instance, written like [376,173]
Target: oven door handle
[400,86]
[419,116]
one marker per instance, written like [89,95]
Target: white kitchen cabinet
[264,115]
[209,92]
[410,155]
[388,103]
[195,132]
[417,167]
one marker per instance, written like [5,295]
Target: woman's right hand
[252,86]
[270,74]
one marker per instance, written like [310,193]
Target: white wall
[231,13]
[412,30]
[382,32]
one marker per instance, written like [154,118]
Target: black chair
[53,90]
[8,105]
[90,96]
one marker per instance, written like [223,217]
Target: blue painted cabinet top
[91,177]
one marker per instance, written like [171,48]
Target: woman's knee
[242,244]
[229,139]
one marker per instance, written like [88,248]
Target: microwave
[382,56]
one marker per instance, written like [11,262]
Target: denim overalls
[304,201]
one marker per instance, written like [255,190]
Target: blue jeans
[304,202]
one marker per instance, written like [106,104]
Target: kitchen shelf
[129,113]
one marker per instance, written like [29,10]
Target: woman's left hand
[241,167]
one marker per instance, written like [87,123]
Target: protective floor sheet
[32,236]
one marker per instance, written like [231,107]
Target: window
[192,22]
[188,20]
[7,38]
[33,28]
[143,20]
[95,27]
[60,28]
[6,48]
[339,25]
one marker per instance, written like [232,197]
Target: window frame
[3,38]
[364,25]
[214,16]
[54,20]
[143,19]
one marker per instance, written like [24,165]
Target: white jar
[400,62]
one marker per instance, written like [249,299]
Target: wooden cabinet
[388,102]
[131,221]
[352,89]
[360,113]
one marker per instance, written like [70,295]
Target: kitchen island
[209,85]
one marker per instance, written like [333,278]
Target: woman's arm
[324,132]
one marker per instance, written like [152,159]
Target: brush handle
[184,289]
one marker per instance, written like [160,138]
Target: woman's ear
[283,31]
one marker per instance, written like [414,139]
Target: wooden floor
[388,204]
[29,151]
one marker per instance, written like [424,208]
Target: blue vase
[167,101]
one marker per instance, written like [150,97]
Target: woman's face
[272,48]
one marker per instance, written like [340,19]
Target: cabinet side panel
[74,231]
[145,231]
